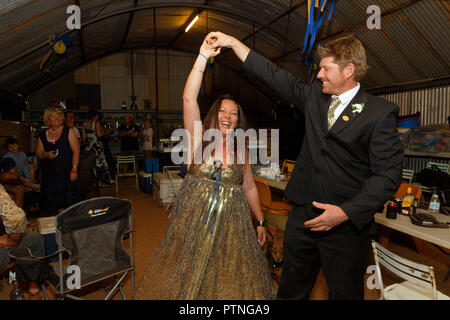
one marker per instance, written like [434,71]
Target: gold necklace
[55,131]
[53,134]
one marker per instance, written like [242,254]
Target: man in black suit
[350,164]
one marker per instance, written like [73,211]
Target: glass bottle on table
[435,204]
[414,207]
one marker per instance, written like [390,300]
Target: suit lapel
[348,116]
[324,104]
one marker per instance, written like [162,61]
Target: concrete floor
[150,223]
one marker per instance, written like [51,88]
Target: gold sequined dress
[214,259]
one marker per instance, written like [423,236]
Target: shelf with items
[36,115]
[114,118]
[445,155]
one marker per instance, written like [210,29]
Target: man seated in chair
[9,178]
[21,163]
[14,223]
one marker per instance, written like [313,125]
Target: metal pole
[156,80]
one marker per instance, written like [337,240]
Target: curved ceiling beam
[147,7]
[127,30]
[350,27]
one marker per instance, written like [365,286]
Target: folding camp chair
[91,232]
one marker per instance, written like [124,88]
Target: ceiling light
[191,24]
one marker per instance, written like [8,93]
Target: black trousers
[341,252]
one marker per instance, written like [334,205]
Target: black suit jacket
[356,165]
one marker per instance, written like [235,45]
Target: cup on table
[391,210]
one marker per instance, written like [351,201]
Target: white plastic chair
[126,160]
[420,282]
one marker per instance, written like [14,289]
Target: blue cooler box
[47,228]
[146,179]
[151,165]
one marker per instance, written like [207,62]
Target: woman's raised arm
[191,111]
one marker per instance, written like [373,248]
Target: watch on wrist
[260,223]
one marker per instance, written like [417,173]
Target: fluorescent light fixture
[191,24]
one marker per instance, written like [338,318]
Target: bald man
[129,135]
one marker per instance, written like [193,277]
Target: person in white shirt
[147,137]
[70,122]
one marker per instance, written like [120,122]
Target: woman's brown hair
[212,119]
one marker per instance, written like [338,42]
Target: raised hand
[207,51]
[217,39]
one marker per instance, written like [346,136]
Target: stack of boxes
[165,190]
[47,228]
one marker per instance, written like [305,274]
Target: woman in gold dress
[210,249]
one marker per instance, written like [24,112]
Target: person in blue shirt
[21,160]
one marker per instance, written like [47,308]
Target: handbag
[432,177]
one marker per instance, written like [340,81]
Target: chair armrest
[278,204]
[277,211]
[25,253]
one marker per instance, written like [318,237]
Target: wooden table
[437,236]
[279,184]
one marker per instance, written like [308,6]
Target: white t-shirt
[148,145]
[77,132]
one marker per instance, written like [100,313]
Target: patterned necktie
[335,102]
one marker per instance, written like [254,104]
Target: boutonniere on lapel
[357,108]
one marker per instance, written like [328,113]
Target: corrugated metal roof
[413,42]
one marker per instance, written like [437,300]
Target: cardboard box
[47,228]
[163,178]
[165,187]
[47,225]
[157,197]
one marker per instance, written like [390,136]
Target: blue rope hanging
[311,30]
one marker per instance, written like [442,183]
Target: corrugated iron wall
[63,88]
[433,104]
[418,163]
[117,79]
[114,75]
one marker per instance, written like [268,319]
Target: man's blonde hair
[346,50]
[52,110]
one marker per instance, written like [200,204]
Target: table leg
[419,244]
[383,235]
